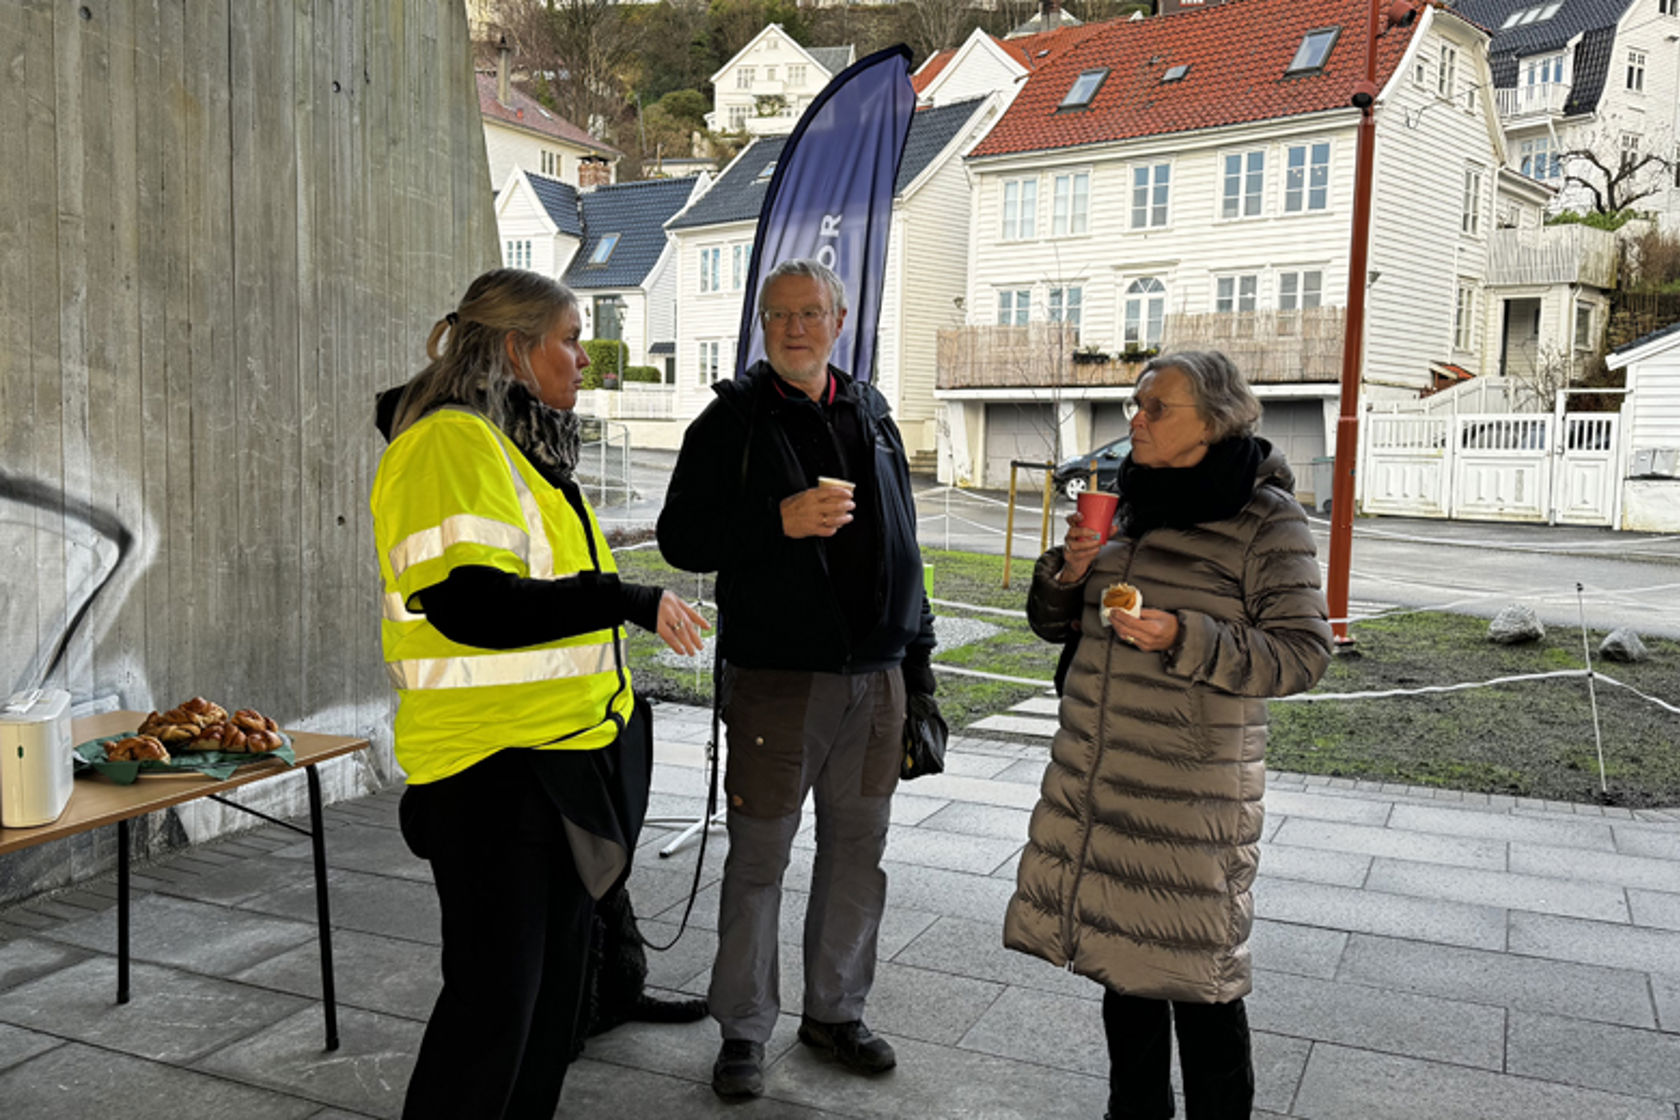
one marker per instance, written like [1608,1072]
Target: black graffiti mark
[35,494]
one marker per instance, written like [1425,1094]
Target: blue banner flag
[830,199]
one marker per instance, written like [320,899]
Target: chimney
[504,54]
[1050,13]
[593,173]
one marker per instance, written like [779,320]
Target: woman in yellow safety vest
[503,632]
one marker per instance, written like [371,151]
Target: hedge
[651,374]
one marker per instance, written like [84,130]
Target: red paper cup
[1096,508]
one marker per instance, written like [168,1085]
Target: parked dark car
[1073,475]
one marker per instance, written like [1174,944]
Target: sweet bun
[1122,597]
[136,748]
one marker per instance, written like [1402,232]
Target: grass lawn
[1532,739]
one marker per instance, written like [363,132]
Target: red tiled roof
[1237,53]
[524,111]
[930,69]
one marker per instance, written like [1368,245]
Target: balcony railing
[1568,254]
[1270,347]
[1541,99]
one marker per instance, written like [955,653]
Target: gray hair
[817,271]
[472,367]
[1223,399]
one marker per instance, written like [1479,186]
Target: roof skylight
[1175,74]
[1314,49]
[1538,13]
[1084,88]
[604,248]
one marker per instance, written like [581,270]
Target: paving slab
[983,791]
[973,764]
[1043,1028]
[374,973]
[1341,1083]
[173,1016]
[1026,772]
[980,820]
[361,847]
[235,882]
[19,1045]
[1665,996]
[381,904]
[189,935]
[1573,898]
[1040,727]
[1610,868]
[77,1082]
[964,947]
[1642,840]
[25,958]
[683,1050]
[1317,865]
[367,1073]
[1559,832]
[1303,950]
[1657,909]
[930,1006]
[1326,807]
[1385,1019]
[1394,843]
[692,954]
[603,1089]
[1596,1055]
[1610,995]
[929,847]
[1366,911]
[1573,939]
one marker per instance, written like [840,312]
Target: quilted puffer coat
[1146,837]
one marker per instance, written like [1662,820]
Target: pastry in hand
[1122,597]
[136,748]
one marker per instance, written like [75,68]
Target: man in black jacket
[794,487]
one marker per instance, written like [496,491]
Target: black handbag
[925,736]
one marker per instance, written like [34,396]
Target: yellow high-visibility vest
[454,490]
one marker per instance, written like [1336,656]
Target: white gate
[1509,466]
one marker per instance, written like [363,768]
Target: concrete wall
[223,227]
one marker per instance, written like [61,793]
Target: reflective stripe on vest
[488,670]
[469,528]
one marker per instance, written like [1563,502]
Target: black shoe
[738,1072]
[851,1044]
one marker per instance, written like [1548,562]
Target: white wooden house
[1595,75]
[520,132]
[1187,182]
[924,281]
[982,65]
[537,222]
[768,84]
[1651,431]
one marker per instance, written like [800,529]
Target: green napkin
[215,764]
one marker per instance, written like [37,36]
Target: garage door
[1108,423]
[1296,428]
[1018,431]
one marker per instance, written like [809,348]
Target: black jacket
[723,514]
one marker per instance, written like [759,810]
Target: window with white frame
[710,358]
[796,75]
[1150,184]
[1070,203]
[550,162]
[711,269]
[1464,315]
[1471,220]
[769,73]
[1420,71]
[1546,70]
[516,253]
[1245,184]
[1539,159]
[1020,209]
[1630,148]
[740,258]
[1306,181]
[1668,7]
[744,78]
[1066,305]
[1636,71]
[1583,325]
[1236,293]
[1014,306]
[1145,313]
[1298,290]
[737,117]
[1446,78]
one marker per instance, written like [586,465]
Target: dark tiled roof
[560,200]
[525,111]
[1593,20]
[637,212]
[1661,332]
[663,348]
[832,59]
[1237,54]
[738,195]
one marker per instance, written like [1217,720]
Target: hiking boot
[738,1072]
[852,1044]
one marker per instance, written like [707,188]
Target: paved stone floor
[1417,955]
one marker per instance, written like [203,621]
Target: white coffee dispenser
[35,758]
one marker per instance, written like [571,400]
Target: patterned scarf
[549,437]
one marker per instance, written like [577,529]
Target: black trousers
[1213,1053]
[516,924]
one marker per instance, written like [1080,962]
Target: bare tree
[931,26]
[1614,174]
[583,52]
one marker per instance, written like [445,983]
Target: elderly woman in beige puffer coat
[1146,836]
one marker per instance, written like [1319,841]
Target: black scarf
[549,437]
[1179,497]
